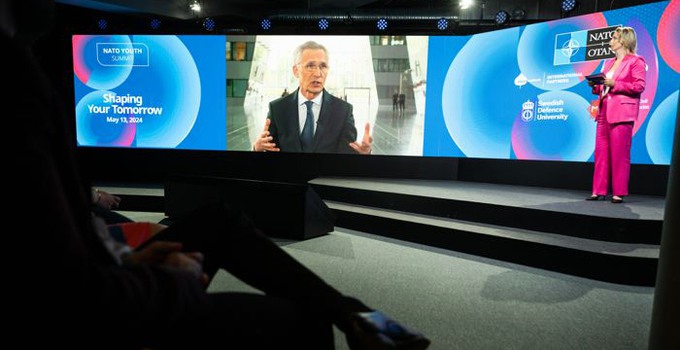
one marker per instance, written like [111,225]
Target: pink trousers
[612,156]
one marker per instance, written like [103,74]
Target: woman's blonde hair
[627,38]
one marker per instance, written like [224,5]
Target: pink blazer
[623,100]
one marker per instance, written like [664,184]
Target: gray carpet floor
[462,301]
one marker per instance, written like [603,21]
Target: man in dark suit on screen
[310,119]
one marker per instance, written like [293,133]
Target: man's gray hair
[310,45]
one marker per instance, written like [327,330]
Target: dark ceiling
[256,9]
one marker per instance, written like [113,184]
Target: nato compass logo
[528,111]
[584,45]
[570,48]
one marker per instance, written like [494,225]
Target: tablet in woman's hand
[596,78]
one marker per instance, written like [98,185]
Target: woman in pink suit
[619,98]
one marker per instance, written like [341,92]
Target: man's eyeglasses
[312,67]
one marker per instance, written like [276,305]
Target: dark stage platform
[553,229]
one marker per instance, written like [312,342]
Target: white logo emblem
[527,111]
[570,48]
[521,80]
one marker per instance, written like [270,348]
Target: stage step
[564,212]
[547,228]
[624,263]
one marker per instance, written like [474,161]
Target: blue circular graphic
[660,130]
[479,127]
[179,93]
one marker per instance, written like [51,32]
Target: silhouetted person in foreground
[71,285]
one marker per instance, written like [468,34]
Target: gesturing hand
[264,141]
[365,146]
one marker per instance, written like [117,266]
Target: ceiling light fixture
[502,17]
[381,23]
[465,4]
[568,5]
[209,24]
[102,24]
[195,6]
[519,13]
[266,24]
[155,24]
[324,23]
[442,23]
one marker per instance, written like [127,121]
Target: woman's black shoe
[617,200]
[595,198]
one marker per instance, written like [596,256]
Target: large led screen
[150,91]
[521,93]
[516,93]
